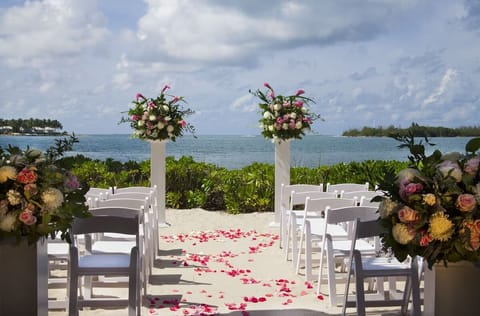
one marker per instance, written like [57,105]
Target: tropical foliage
[417,130]
[191,184]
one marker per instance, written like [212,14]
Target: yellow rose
[7,172]
[402,234]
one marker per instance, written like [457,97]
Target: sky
[364,62]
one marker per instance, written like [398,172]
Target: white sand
[225,262]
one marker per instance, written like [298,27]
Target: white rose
[271,128]
[293,115]
[450,168]
[166,108]
[304,110]
[298,125]
[160,125]
[170,129]
[284,126]
[7,223]
[167,118]
[140,123]
[152,117]
[276,107]
[267,115]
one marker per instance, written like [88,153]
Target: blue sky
[365,63]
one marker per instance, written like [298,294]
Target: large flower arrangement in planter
[38,198]
[432,208]
[159,118]
[284,117]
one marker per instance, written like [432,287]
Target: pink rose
[27,217]
[471,166]
[31,189]
[139,96]
[134,117]
[300,92]
[72,183]
[466,202]
[298,103]
[151,104]
[182,123]
[292,124]
[407,215]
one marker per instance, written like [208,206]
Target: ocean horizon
[237,151]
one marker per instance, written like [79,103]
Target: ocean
[234,152]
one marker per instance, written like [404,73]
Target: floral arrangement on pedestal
[38,198]
[284,117]
[432,208]
[159,118]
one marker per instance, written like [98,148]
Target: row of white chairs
[141,200]
[328,220]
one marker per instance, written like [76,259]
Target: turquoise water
[238,151]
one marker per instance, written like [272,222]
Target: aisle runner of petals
[220,263]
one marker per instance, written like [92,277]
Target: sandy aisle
[217,263]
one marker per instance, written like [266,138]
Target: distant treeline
[30,125]
[418,131]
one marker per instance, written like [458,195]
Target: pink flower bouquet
[160,118]
[284,117]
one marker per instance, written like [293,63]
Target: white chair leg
[308,251]
[301,245]
[332,282]
[287,237]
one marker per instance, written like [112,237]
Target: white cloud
[449,76]
[245,103]
[39,31]
[216,31]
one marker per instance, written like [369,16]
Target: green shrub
[191,184]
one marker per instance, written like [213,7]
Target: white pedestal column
[157,177]
[282,175]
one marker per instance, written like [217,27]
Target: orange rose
[407,215]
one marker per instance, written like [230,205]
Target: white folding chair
[297,209]
[347,187]
[374,267]
[285,204]
[58,261]
[98,193]
[121,243]
[333,248]
[125,221]
[313,229]
[151,218]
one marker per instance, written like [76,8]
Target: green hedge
[191,184]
